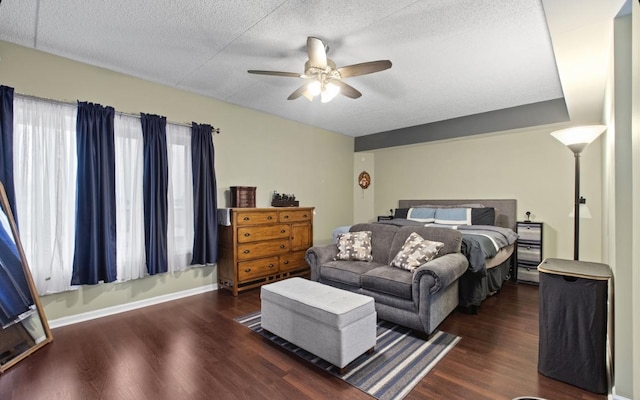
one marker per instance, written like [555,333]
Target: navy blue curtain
[155,182]
[6,146]
[205,242]
[15,295]
[95,243]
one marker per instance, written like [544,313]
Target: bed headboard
[506,209]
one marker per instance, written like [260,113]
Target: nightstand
[529,251]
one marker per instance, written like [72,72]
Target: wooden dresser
[263,245]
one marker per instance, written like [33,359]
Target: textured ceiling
[450,58]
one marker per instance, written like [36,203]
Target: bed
[488,268]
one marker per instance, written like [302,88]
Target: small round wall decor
[364,180]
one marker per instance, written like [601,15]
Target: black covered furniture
[573,322]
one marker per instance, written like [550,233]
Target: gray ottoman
[334,324]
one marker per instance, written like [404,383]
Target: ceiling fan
[323,78]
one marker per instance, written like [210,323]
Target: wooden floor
[192,349]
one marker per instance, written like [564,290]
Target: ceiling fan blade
[364,68]
[317,53]
[298,92]
[275,73]
[346,89]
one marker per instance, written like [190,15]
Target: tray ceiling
[451,59]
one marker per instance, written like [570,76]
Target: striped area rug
[399,362]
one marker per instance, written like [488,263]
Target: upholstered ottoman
[334,324]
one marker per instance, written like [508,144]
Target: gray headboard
[506,209]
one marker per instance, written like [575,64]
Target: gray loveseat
[421,299]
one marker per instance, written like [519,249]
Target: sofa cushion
[389,280]
[415,252]
[451,238]
[346,272]
[354,246]
[381,237]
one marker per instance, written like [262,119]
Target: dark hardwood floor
[192,349]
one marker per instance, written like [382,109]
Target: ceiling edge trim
[534,114]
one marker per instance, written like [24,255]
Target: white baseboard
[103,312]
[616,397]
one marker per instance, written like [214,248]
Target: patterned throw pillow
[354,246]
[416,251]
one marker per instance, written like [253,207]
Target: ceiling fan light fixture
[308,95]
[314,88]
[323,77]
[330,91]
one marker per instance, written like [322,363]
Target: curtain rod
[70,103]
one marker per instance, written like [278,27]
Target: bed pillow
[483,216]
[354,246]
[453,216]
[415,251]
[422,214]
[400,213]
[480,215]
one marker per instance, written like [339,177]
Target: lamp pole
[576,209]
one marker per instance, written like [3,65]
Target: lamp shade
[578,137]
[585,213]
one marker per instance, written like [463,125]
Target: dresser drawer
[248,251]
[529,252]
[529,232]
[528,274]
[293,260]
[256,217]
[248,270]
[265,232]
[295,215]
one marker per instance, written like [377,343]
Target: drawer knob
[269,217]
[247,234]
[247,270]
[245,218]
[282,231]
[271,265]
[286,262]
[282,246]
[286,217]
[304,216]
[246,252]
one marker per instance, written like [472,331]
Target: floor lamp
[577,139]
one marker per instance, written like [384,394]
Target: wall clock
[364,180]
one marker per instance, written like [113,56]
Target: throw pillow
[354,246]
[416,251]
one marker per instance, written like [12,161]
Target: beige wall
[527,165]
[363,198]
[253,149]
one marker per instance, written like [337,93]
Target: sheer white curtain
[180,198]
[45,168]
[131,259]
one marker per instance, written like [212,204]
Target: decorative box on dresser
[529,254]
[263,245]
